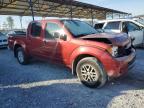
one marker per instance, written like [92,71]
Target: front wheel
[21,56]
[91,73]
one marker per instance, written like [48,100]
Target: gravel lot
[42,85]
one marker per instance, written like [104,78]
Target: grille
[124,51]
[5,40]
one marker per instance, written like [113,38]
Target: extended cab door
[134,31]
[35,40]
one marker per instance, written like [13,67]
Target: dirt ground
[45,85]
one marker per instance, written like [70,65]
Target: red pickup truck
[94,57]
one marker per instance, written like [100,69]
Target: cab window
[51,29]
[36,28]
[131,26]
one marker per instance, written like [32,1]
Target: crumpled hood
[116,39]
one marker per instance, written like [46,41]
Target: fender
[84,50]
[22,44]
[100,54]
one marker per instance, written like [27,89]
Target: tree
[5,26]
[20,17]
[10,22]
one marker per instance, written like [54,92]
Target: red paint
[67,51]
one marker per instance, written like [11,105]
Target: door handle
[45,41]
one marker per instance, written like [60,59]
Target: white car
[139,20]
[133,28]
[3,40]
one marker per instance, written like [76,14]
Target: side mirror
[60,36]
[56,35]
[63,37]
[125,29]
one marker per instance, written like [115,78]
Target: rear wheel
[91,72]
[21,56]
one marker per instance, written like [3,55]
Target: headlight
[113,51]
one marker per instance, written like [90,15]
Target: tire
[91,73]
[21,56]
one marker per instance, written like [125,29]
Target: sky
[136,7]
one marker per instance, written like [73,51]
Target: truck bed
[16,38]
[18,35]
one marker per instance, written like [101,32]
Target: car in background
[139,20]
[133,28]
[3,40]
[15,32]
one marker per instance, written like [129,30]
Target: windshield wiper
[81,35]
[92,33]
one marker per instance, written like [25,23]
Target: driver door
[51,43]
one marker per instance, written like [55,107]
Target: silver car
[3,40]
[134,29]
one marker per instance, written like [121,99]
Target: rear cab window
[113,25]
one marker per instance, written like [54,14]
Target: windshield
[141,21]
[79,28]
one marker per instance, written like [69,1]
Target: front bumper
[126,63]
[3,45]
[116,67]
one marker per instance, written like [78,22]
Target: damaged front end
[120,44]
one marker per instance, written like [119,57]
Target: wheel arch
[18,44]
[79,54]
[15,48]
[77,59]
